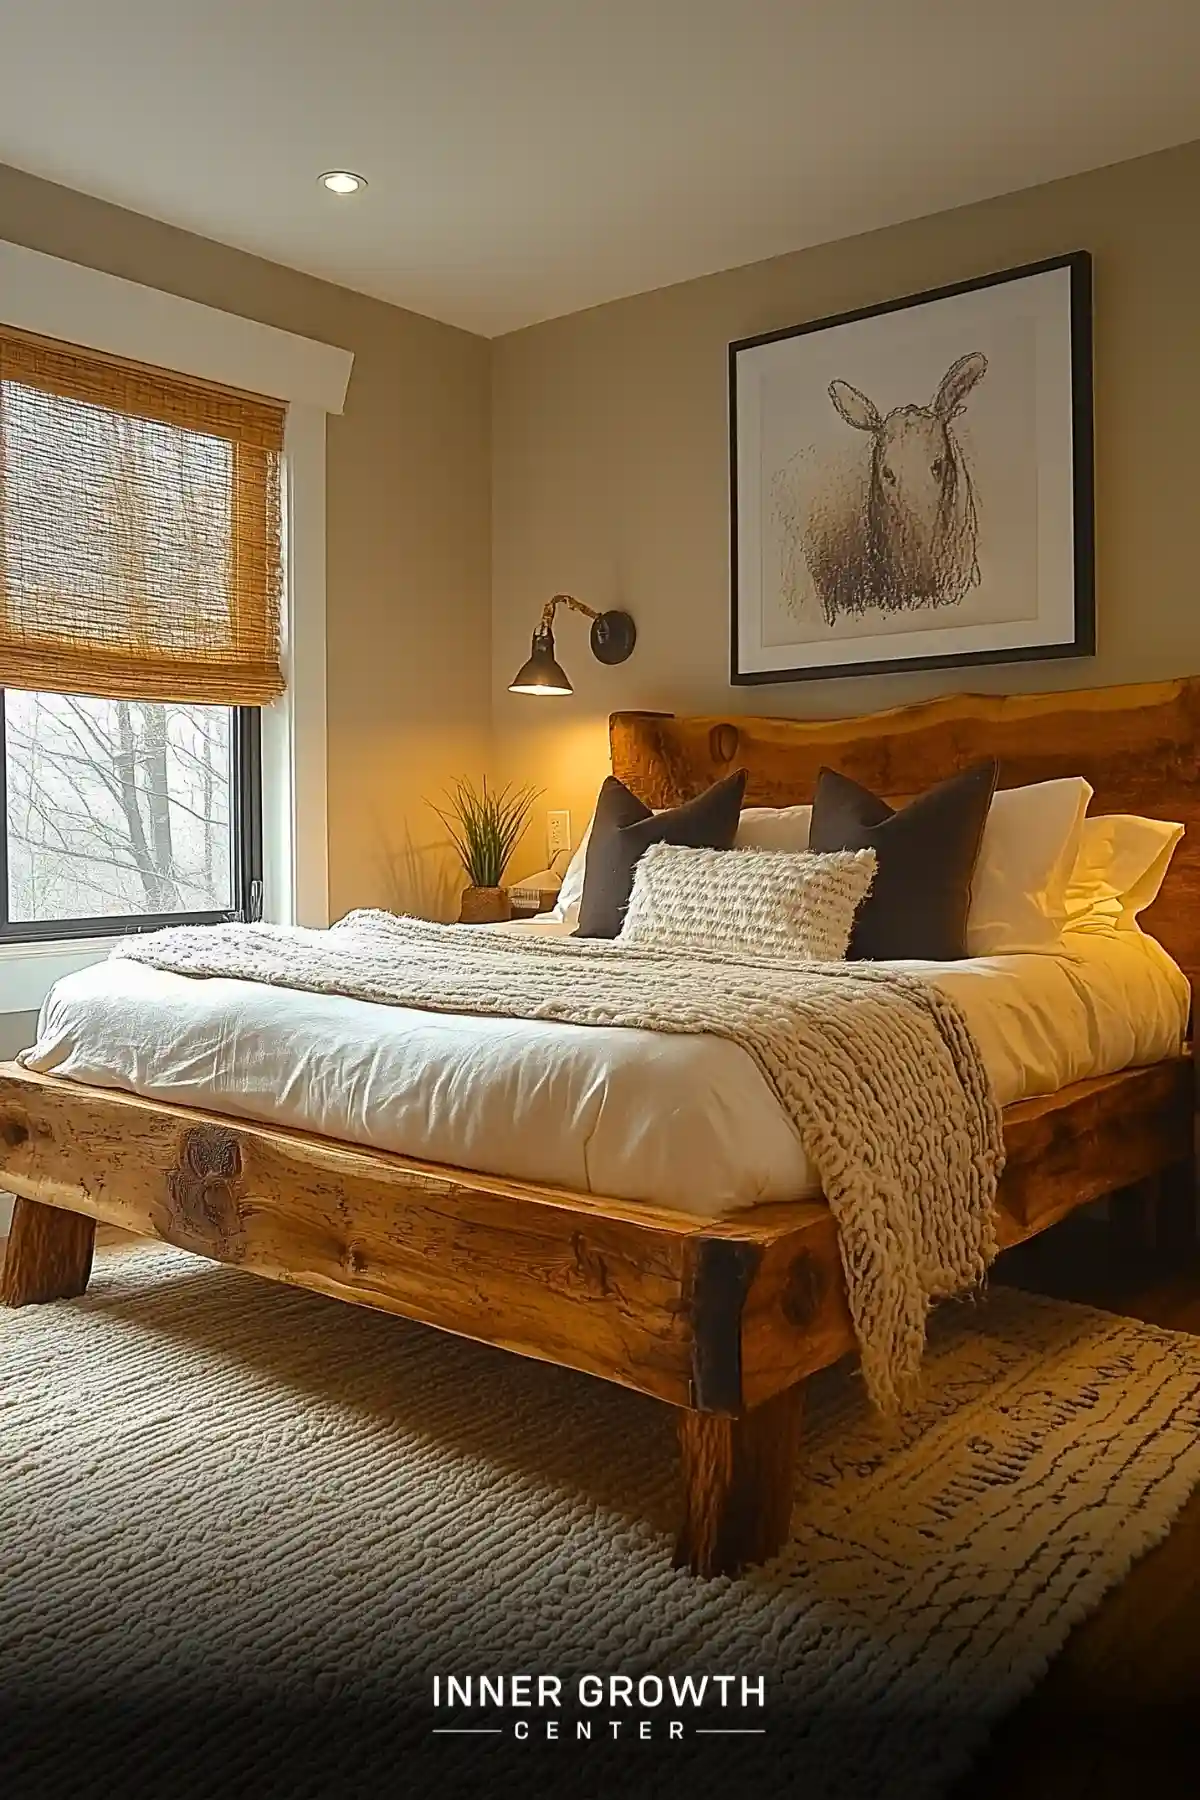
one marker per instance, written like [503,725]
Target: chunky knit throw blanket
[876,1070]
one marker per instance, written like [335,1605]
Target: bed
[674,1262]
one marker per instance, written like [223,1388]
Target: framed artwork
[911,484]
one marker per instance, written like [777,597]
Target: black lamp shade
[541,674]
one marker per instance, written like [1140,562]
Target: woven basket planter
[484,906]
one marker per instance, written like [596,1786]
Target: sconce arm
[589,612]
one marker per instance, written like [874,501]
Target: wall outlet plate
[558,832]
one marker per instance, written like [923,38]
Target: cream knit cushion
[787,907]
[759,828]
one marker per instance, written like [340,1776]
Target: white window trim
[84,306]
[295,809]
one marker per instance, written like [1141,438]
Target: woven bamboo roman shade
[140,553]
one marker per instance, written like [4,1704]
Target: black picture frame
[1082,641]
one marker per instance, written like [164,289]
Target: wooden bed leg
[738,1477]
[1134,1215]
[1176,1215]
[49,1254]
[1158,1215]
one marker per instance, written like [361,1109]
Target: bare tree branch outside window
[116,807]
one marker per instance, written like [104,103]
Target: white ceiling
[531,157]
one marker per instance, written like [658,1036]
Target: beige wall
[17,1032]
[610,474]
[608,477]
[408,554]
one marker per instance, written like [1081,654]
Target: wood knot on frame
[803,1290]
[723,742]
[201,1203]
[209,1151]
[590,1265]
[14,1131]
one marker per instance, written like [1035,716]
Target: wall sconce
[613,636]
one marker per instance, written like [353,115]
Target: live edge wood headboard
[1139,746]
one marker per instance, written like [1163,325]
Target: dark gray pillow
[622,828]
[926,855]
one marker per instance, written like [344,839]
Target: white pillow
[1119,870]
[566,907]
[773,828]
[1030,845]
[766,904]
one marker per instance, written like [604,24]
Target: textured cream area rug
[244,1527]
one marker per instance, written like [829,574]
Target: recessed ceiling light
[341,181]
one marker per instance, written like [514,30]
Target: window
[140,586]
[125,813]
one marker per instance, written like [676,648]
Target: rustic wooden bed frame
[722,1320]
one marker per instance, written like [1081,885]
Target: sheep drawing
[901,530]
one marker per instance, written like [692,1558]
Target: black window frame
[246,798]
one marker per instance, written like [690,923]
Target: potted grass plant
[485,827]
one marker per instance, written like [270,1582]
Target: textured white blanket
[876,1070]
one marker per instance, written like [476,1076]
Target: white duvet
[684,1122]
